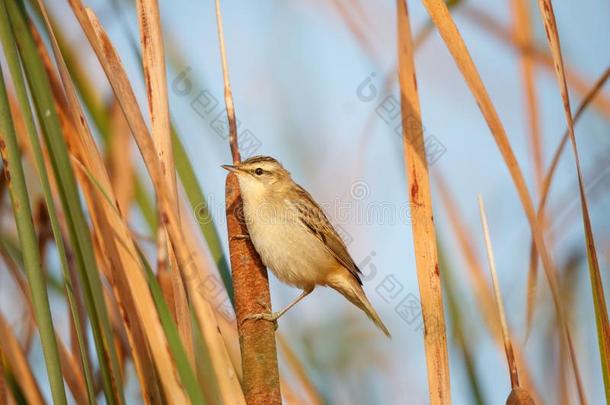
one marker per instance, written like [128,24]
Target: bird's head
[260,174]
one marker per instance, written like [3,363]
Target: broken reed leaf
[153,62]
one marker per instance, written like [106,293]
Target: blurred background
[315,86]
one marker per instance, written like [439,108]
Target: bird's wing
[316,222]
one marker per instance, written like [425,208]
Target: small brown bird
[294,238]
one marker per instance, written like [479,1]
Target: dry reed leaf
[213,290]
[508,347]
[29,321]
[153,61]
[599,299]
[455,43]
[129,281]
[208,288]
[532,282]
[546,186]
[19,364]
[11,399]
[110,265]
[120,164]
[422,225]
[141,357]
[228,382]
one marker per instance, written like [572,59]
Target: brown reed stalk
[261,382]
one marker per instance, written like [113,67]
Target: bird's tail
[349,287]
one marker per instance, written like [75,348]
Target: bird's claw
[267,315]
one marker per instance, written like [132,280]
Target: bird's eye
[258,171]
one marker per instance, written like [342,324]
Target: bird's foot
[268,315]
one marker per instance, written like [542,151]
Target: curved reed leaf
[599,299]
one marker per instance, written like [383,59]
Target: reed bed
[154,312]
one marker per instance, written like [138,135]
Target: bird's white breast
[285,245]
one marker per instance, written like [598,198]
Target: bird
[294,238]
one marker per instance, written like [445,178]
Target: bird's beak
[230,168]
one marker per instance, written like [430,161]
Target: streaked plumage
[294,237]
